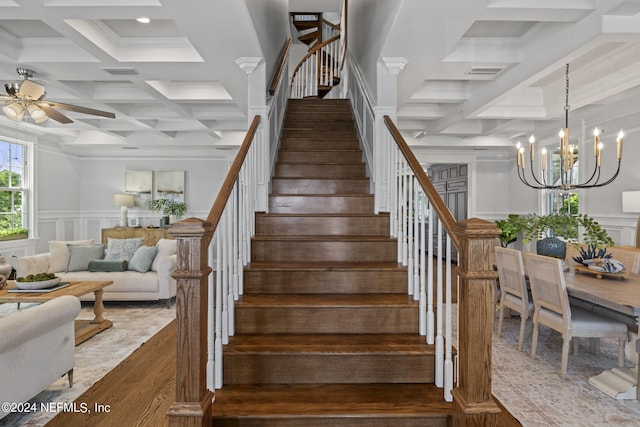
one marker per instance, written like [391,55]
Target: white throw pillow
[60,253]
[166,247]
[122,249]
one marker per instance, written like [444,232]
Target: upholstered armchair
[37,346]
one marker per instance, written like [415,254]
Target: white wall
[271,21]
[367,28]
[75,195]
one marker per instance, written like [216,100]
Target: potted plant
[14,233]
[158,205]
[511,228]
[174,209]
[169,208]
[547,229]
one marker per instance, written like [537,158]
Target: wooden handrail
[280,68]
[330,24]
[475,239]
[442,210]
[227,186]
[312,52]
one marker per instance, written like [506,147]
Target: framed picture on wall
[170,185]
[134,221]
[140,184]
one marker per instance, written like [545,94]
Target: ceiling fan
[29,95]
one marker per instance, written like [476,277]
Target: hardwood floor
[140,390]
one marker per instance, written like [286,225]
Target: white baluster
[423,272]
[225,277]
[234,241]
[439,337]
[409,221]
[211,320]
[448,363]
[416,237]
[230,262]
[430,314]
[405,213]
[218,307]
[392,180]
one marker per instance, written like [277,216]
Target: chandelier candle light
[567,158]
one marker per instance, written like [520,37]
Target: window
[563,201]
[13,191]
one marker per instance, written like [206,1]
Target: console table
[150,235]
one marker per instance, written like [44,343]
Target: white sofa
[157,284]
[37,346]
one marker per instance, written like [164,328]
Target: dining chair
[513,288]
[552,309]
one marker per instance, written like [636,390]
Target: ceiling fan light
[36,113]
[14,111]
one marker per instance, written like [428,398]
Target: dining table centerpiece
[553,232]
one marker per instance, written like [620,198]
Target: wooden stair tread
[323,178]
[355,195]
[301,400]
[324,266]
[324,150]
[323,237]
[330,343]
[327,300]
[323,215]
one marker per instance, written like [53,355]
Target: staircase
[325,333]
[319,71]
[309,27]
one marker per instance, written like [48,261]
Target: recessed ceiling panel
[179,91]
[132,28]
[26,28]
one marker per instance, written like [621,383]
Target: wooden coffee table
[84,329]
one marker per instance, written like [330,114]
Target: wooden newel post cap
[190,227]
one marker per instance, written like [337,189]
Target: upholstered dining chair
[513,288]
[552,309]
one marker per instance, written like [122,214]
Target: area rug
[534,393]
[133,324]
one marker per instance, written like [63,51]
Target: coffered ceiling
[478,73]
[487,73]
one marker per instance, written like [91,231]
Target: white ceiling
[174,84]
[519,49]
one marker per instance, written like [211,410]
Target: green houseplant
[169,208]
[550,228]
[14,233]
[510,227]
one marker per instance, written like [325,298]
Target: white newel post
[255,70]
[387,97]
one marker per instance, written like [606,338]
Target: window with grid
[13,191]
[563,202]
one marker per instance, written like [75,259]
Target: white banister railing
[230,249]
[414,223]
[318,70]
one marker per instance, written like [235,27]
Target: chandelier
[568,157]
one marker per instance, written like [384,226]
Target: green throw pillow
[81,255]
[142,259]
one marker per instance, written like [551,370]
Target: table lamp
[125,201]
[631,203]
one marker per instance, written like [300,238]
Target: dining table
[618,298]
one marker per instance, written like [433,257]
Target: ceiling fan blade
[55,115]
[78,109]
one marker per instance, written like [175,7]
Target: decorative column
[255,70]
[192,405]
[473,403]
[387,97]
